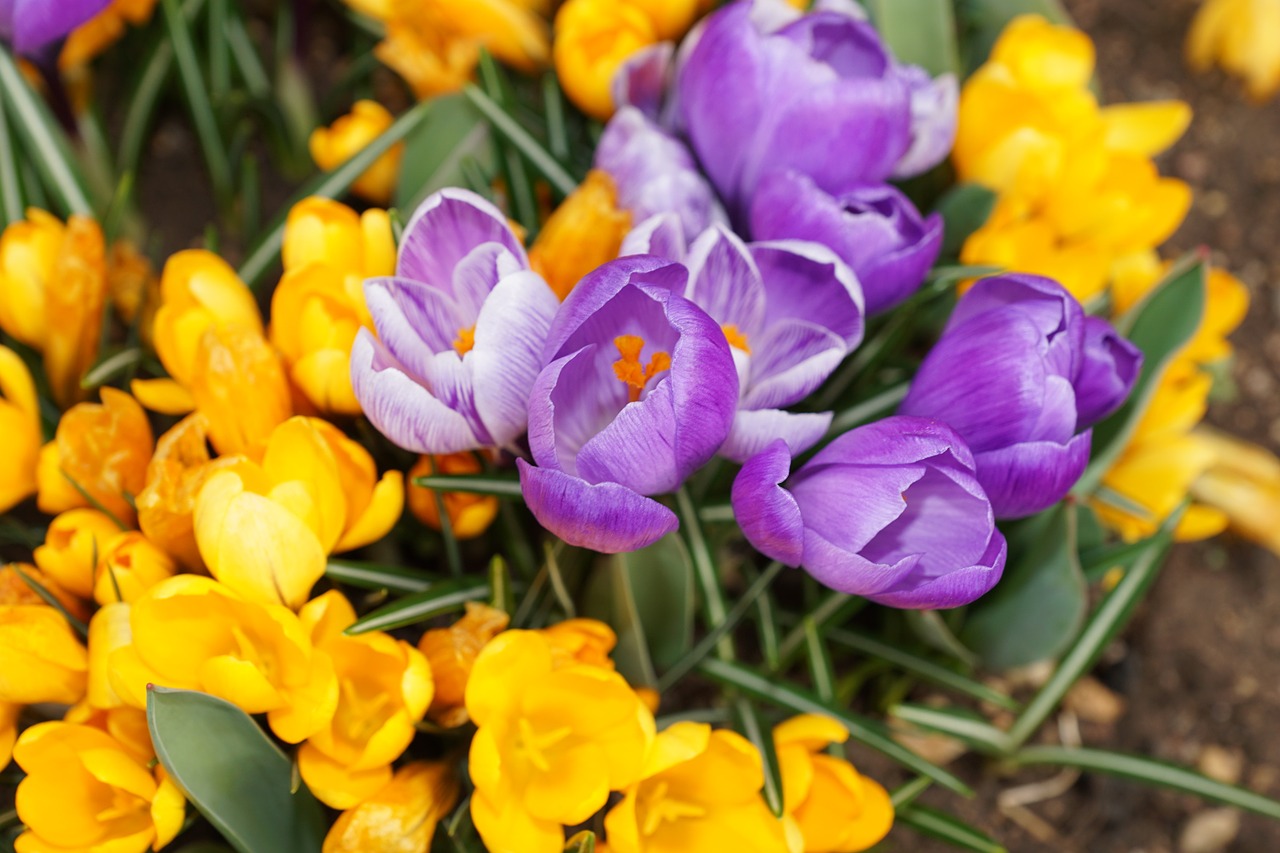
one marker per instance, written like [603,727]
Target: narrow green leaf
[930,627]
[834,609]
[496,485]
[949,274]
[820,669]
[906,793]
[557,130]
[965,208]
[878,406]
[219,50]
[705,572]
[510,130]
[1096,562]
[800,701]
[1152,772]
[957,723]
[196,91]
[12,206]
[920,32]
[52,600]
[520,191]
[112,366]
[751,727]
[232,773]
[248,64]
[944,827]
[434,153]
[374,576]
[501,596]
[442,597]
[582,842]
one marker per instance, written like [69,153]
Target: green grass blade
[197,93]
[751,727]
[944,827]
[959,724]
[374,576]
[868,410]
[443,597]
[705,572]
[12,206]
[493,485]
[509,129]
[52,600]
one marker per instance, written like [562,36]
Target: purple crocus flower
[1004,374]
[30,26]
[934,115]
[819,94]
[1107,374]
[639,390]
[461,328]
[891,511]
[655,173]
[874,228]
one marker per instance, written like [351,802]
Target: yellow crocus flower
[53,284]
[193,633]
[452,652]
[8,730]
[177,471]
[84,790]
[550,742]
[41,659]
[128,567]
[238,383]
[73,544]
[584,232]
[581,641]
[385,687]
[109,630]
[700,790]
[593,39]
[20,425]
[100,448]
[103,30]
[1243,36]
[828,806]
[402,816]
[333,145]
[469,515]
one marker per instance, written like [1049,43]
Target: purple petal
[510,334]
[644,78]
[1026,478]
[704,382]
[952,589]
[1049,305]
[895,441]
[848,45]
[34,24]
[561,418]
[724,280]
[636,449]
[402,409]
[809,282]
[934,114]
[604,517]
[793,358]
[414,320]
[1107,373]
[754,430]
[768,514]
[446,228]
[661,235]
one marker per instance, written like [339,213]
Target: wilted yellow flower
[593,39]
[104,449]
[103,30]
[1243,36]
[133,287]
[384,688]
[585,232]
[452,652]
[41,659]
[581,641]
[52,288]
[550,744]
[700,790]
[239,385]
[828,806]
[264,530]
[349,135]
[20,426]
[85,791]
[316,310]
[73,545]
[193,633]
[469,515]
[128,567]
[400,818]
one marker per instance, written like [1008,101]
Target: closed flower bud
[581,641]
[100,448]
[593,40]
[585,231]
[102,30]
[238,384]
[399,818]
[73,546]
[333,145]
[385,687]
[85,791]
[177,471]
[20,425]
[41,659]
[452,652]
[469,515]
[128,567]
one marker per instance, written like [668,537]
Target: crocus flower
[333,145]
[585,231]
[31,25]
[594,38]
[1108,370]
[41,659]
[469,514]
[638,391]
[402,816]
[452,653]
[1007,375]
[128,567]
[655,173]
[874,228]
[72,546]
[891,511]
[461,328]
[1243,37]
[819,94]
[20,425]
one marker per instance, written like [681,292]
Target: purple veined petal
[31,25]
[1057,420]
[477,273]
[935,104]
[704,384]
[725,282]
[604,517]
[825,494]
[849,8]
[953,589]
[849,572]
[769,16]
[414,320]
[1026,478]
[402,409]
[510,334]
[894,441]
[562,420]
[447,227]
[1055,312]
[896,275]
[809,282]
[753,431]
[636,449]
[766,512]
[644,78]
[789,362]
[940,523]
[1107,373]
[848,45]
[661,235]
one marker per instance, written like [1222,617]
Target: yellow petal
[163,395]
[379,517]
[297,452]
[1145,129]
[399,818]
[593,39]
[811,731]
[335,785]
[168,808]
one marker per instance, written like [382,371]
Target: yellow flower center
[628,368]
[658,808]
[123,804]
[465,341]
[533,745]
[735,337]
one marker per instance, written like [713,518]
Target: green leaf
[52,600]
[582,842]
[964,208]
[197,94]
[374,576]
[232,773]
[1160,325]
[944,827]
[958,723]
[111,366]
[801,701]
[751,727]
[433,154]
[920,32]
[1039,604]
[509,129]
[705,572]
[868,410]
[438,598]
[1152,772]
[12,205]
[934,631]
[496,485]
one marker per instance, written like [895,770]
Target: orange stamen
[628,368]
[735,338]
[465,341]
